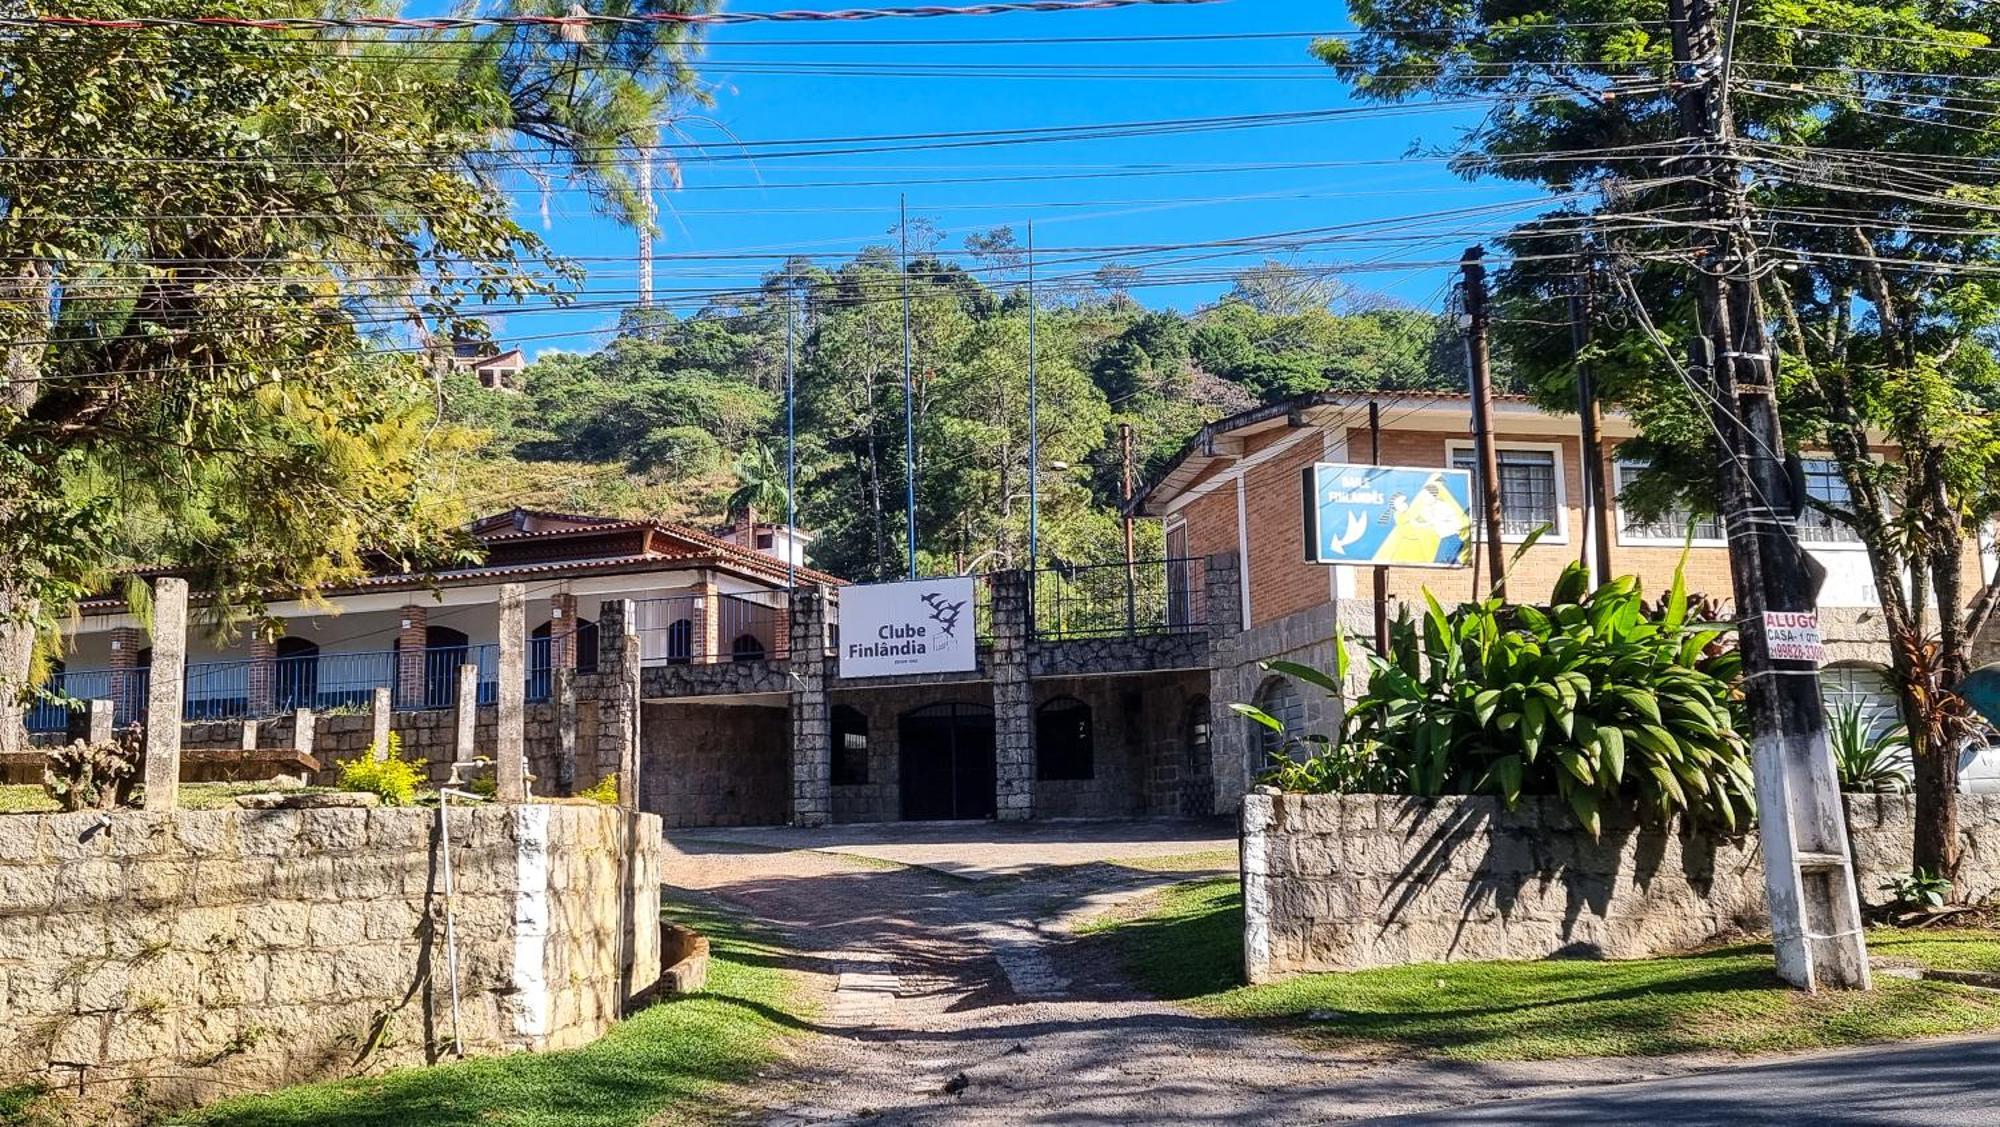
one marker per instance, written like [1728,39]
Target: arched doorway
[541,656]
[1280,700]
[946,755]
[295,675]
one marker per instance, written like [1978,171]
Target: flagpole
[909,400]
[791,454]
[1034,425]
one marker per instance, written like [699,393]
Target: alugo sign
[922,626]
[1409,517]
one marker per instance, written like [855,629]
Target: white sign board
[1794,636]
[921,626]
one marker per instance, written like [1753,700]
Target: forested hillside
[683,417]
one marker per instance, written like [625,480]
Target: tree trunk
[17,648]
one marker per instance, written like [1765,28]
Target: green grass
[1186,943]
[1181,862]
[665,1065]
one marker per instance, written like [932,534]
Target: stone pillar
[465,741]
[1013,699]
[627,724]
[383,715]
[510,743]
[263,676]
[95,723]
[126,691]
[615,619]
[410,640]
[562,695]
[246,736]
[562,631]
[164,694]
[812,736]
[302,731]
[1229,740]
[618,671]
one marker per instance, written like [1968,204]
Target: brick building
[1235,488]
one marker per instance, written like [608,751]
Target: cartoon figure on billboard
[1428,529]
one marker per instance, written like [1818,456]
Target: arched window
[746,647]
[850,746]
[1280,700]
[295,675]
[1062,740]
[680,642]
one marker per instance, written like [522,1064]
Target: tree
[209,236]
[761,484]
[1868,129]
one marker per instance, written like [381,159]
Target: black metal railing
[1107,600]
[706,629]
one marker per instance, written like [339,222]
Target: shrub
[392,777]
[1593,697]
[1921,888]
[82,776]
[1868,762]
[606,791]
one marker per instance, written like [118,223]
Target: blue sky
[798,81]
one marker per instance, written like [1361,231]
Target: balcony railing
[1118,600]
[707,629]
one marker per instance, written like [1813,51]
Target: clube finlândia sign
[1387,515]
[918,626]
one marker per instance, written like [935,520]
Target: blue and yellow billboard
[1388,515]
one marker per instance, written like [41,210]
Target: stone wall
[1140,742]
[189,955]
[1340,882]
[715,764]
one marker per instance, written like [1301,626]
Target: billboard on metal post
[919,626]
[1399,516]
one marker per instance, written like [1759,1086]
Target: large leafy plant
[1868,761]
[1592,697]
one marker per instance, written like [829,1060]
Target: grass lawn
[664,1065]
[1185,944]
[1181,862]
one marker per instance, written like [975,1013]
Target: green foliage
[1867,761]
[1592,697]
[1920,888]
[605,792]
[83,776]
[392,778]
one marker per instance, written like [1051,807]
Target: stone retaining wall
[191,955]
[1340,882]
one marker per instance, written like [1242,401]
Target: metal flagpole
[791,454]
[909,399]
[646,230]
[1034,424]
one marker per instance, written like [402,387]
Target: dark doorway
[445,650]
[946,753]
[295,675]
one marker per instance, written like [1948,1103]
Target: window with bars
[1670,525]
[1824,483]
[1527,489]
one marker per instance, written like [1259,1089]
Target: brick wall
[191,955]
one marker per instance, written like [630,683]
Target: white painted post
[510,753]
[164,694]
[384,715]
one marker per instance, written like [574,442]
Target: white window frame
[1639,540]
[1852,543]
[1560,535]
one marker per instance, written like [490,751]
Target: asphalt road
[1955,1082]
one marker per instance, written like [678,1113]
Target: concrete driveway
[981,850]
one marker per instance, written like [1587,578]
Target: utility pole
[791,455]
[1808,877]
[1479,374]
[909,398]
[1596,501]
[1125,495]
[646,231]
[1381,573]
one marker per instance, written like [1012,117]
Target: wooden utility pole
[1479,374]
[1125,495]
[1596,497]
[1381,573]
[1808,877]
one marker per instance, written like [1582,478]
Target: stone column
[618,680]
[1013,699]
[126,642]
[465,734]
[615,619]
[812,737]
[246,736]
[302,731]
[383,715]
[706,641]
[95,723]
[627,724]
[510,744]
[263,676]
[562,694]
[164,694]
[410,640]
[1228,734]
[562,631]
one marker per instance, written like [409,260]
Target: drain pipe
[445,795]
